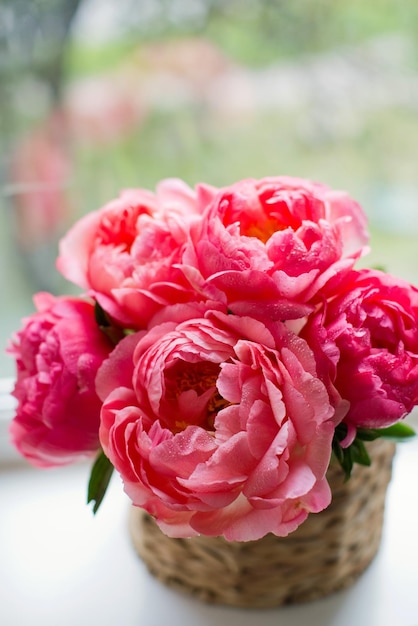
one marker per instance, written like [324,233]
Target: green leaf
[354,453]
[347,462]
[100,316]
[100,476]
[344,457]
[398,432]
[359,453]
[112,331]
[368,434]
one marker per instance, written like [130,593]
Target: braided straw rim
[326,553]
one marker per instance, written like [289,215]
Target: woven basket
[327,553]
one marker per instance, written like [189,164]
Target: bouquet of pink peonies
[224,349]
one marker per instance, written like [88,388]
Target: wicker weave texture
[327,553]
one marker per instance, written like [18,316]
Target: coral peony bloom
[125,253]
[367,336]
[224,428]
[268,246]
[58,352]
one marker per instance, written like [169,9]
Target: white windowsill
[7,405]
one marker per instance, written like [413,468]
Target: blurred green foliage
[256,32]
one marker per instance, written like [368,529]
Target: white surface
[60,566]
[7,406]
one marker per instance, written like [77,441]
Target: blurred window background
[98,95]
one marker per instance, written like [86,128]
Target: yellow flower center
[200,377]
[263,230]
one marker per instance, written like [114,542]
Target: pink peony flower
[268,246]
[238,347]
[125,254]
[366,342]
[58,352]
[219,425]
